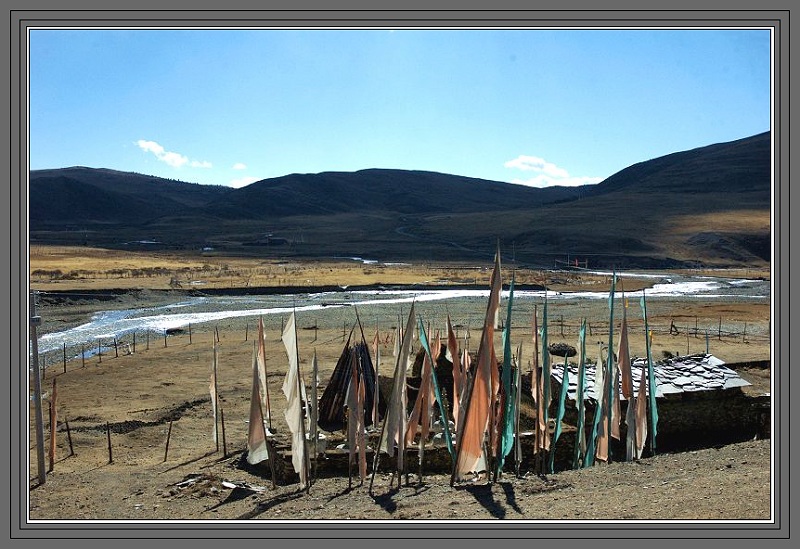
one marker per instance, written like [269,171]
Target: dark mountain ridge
[636,217]
[737,166]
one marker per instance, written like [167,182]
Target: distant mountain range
[708,206]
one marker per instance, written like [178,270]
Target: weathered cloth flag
[470,456]
[294,414]
[256,430]
[393,438]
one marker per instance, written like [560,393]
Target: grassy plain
[54,268]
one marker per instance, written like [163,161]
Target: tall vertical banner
[610,368]
[580,430]
[509,389]
[470,456]
[394,425]
[651,379]
[455,359]
[423,338]
[627,385]
[294,398]
[544,383]
[561,407]
[256,430]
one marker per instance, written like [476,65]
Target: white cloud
[242,182]
[548,174]
[239,166]
[176,160]
[536,164]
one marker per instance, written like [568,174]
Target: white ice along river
[107,325]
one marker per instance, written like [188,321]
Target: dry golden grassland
[55,268]
[61,267]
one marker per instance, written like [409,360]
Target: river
[380,306]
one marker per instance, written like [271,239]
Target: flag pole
[517,404]
[262,343]
[271,455]
[35,322]
[314,411]
[216,398]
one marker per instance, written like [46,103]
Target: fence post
[108,436]
[69,438]
[224,442]
[169,433]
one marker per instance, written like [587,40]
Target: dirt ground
[116,414]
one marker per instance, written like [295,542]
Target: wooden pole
[246,328]
[169,433]
[272,454]
[69,438]
[517,403]
[190,334]
[53,421]
[147,336]
[216,392]
[165,338]
[719,330]
[222,422]
[108,436]
[116,350]
[36,321]
[99,351]
[65,357]
[315,414]
[83,357]
[134,341]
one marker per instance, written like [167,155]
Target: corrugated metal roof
[702,372]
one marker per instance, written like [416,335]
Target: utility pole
[37,388]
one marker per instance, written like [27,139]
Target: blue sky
[532,106]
